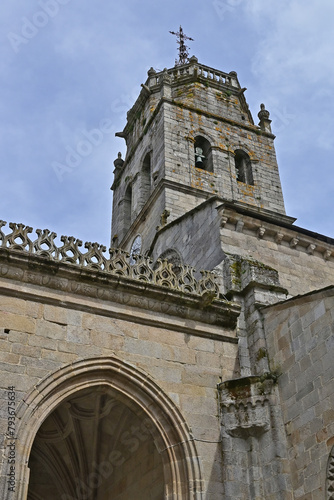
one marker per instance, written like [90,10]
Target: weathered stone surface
[306,394]
[135,377]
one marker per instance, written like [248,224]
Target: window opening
[203,154]
[146,178]
[128,207]
[243,167]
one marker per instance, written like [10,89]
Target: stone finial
[263,114]
[151,71]
[165,77]
[233,79]
[193,60]
[265,122]
[119,162]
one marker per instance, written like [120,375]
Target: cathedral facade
[194,359]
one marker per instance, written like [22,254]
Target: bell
[199,157]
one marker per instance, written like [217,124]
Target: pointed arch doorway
[94,446]
[102,429]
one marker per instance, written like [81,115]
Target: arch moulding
[172,436]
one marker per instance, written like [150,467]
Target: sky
[71,69]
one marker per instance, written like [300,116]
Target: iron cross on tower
[183,49]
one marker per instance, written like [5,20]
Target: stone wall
[304,261]
[300,341]
[195,237]
[45,329]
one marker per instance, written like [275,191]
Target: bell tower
[190,137]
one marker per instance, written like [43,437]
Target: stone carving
[278,238]
[246,419]
[310,249]
[18,239]
[187,281]
[173,257]
[142,269]
[118,262]
[327,254]
[164,276]
[330,476]
[44,245]
[294,242]
[69,252]
[163,273]
[163,217]
[94,258]
[245,405]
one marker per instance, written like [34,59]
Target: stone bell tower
[190,136]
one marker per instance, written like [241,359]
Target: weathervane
[183,49]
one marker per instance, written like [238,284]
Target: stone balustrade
[191,69]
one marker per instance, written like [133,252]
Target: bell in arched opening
[203,154]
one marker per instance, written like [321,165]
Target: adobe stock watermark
[129,442]
[281,119]
[31,27]
[223,7]
[90,140]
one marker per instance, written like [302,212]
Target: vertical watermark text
[11,439]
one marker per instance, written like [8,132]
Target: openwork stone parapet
[117,263]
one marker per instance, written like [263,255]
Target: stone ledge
[191,314]
[276,228]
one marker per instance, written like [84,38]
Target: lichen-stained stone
[194,358]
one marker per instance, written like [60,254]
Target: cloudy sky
[67,66]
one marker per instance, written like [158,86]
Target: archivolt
[171,433]
[330,476]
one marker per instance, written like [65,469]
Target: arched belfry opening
[100,429]
[95,446]
[146,178]
[203,154]
[243,167]
[127,207]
